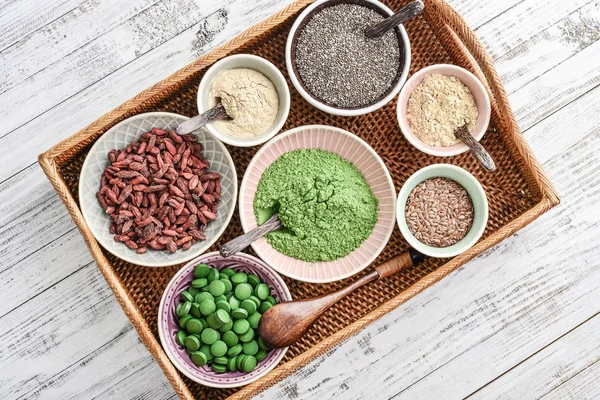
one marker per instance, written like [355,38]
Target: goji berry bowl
[168,322]
[99,221]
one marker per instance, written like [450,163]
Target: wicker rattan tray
[518,191]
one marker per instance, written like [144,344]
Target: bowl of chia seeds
[335,67]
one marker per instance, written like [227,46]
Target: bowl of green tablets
[208,319]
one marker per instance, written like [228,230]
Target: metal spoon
[407,12]
[241,242]
[190,125]
[285,323]
[476,148]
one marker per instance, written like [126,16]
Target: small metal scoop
[407,12]
[190,125]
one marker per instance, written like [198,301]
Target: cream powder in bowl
[250,99]
[256,64]
[438,106]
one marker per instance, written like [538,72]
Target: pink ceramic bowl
[167,320]
[347,146]
[481,98]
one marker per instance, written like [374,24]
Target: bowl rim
[441,252]
[255,160]
[443,69]
[125,256]
[161,334]
[344,112]
[284,100]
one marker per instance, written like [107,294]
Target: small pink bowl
[475,86]
[368,162]
[168,327]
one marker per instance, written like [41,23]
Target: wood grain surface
[518,322]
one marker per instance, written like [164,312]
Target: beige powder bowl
[258,64]
[468,79]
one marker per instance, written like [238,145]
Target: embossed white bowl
[118,137]
[349,147]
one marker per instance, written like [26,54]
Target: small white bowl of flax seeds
[442,210]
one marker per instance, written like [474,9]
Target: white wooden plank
[523,21]
[23,192]
[56,329]
[558,87]
[478,13]
[22,237]
[42,269]
[102,56]
[550,47]
[18,18]
[148,382]
[582,386]
[108,364]
[63,36]
[550,368]
[441,343]
[566,127]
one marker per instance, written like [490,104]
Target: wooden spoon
[476,148]
[285,323]
[407,12]
[241,242]
[190,125]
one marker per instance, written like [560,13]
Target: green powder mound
[324,202]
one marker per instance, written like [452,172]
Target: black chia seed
[338,64]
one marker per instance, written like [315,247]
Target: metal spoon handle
[407,12]
[476,148]
[190,125]
[241,242]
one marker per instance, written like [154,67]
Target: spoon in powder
[476,148]
[407,12]
[241,242]
[190,125]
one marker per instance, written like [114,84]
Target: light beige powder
[249,98]
[438,106]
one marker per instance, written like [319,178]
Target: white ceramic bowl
[255,63]
[473,188]
[349,147]
[468,79]
[344,112]
[118,137]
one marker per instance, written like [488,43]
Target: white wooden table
[521,321]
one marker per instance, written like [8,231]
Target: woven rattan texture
[511,190]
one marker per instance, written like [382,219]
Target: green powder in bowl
[324,202]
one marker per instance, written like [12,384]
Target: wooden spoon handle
[190,125]
[241,242]
[286,323]
[407,12]
[399,264]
